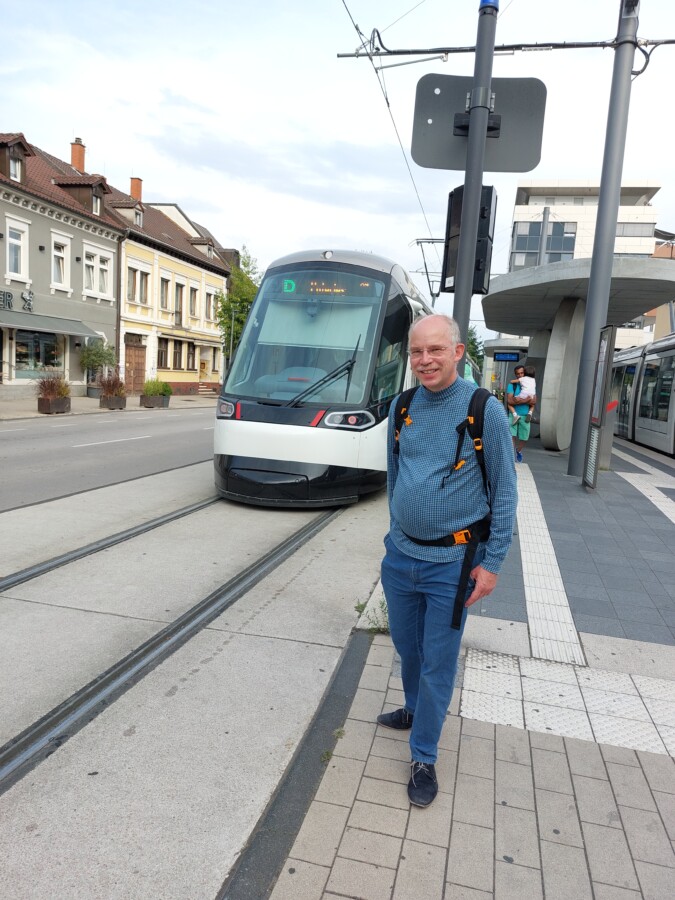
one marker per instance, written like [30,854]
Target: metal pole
[231,338]
[600,280]
[479,110]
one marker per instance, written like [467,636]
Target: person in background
[434,508]
[528,391]
[520,414]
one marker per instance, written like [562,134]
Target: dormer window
[96,205]
[138,218]
[15,168]
[209,251]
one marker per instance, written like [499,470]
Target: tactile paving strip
[553,635]
[570,700]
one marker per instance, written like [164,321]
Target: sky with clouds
[245,116]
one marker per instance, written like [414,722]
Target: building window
[132,276]
[97,268]
[164,293]
[214,360]
[178,354]
[138,218]
[15,168]
[162,353]
[191,355]
[143,281]
[17,251]
[96,205]
[635,229]
[178,305]
[193,301]
[38,353]
[60,263]
[209,306]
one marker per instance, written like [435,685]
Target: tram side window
[390,361]
[657,389]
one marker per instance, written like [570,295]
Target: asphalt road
[42,459]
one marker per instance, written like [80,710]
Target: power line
[383,88]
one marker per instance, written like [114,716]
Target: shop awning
[32,322]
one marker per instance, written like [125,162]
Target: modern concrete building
[543,296]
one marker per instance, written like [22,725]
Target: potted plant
[156,393]
[113,391]
[96,357]
[53,394]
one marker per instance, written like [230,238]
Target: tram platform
[556,769]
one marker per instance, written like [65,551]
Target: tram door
[622,391]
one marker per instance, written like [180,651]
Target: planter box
[94,392]
[155,402]
[112,402]
[50,406]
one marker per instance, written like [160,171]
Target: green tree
[474,347]
[232,309]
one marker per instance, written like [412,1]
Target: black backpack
[473,424]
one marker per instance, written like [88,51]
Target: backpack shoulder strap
[474,425]
[402,406]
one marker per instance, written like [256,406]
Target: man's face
[519,371]
[433,356]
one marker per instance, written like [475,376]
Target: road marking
[7,430]
[116,441]
[209,428]
[68,425]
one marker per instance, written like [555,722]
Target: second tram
[302,417]
[644,388]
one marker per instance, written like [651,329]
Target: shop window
[191,356]
[37,353]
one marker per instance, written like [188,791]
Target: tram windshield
[309,326]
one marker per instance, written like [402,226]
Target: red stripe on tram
[317,418]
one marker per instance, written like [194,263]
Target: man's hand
[485,584]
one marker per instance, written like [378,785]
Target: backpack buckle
[463,536]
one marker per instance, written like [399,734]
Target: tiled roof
[160,229]
[68,180]
[46,176]
[42,170]
[16,137]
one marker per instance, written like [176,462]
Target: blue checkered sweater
[427,499]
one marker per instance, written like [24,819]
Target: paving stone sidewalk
[519,814]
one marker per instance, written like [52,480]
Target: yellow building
[171,271]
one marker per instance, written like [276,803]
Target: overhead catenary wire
[380,78]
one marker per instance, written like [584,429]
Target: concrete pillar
[559,387]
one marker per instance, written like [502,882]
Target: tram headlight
[225,409]
[356,419]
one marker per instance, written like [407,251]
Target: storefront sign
[6,298]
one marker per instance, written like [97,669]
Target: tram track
[39,740]
[64,559]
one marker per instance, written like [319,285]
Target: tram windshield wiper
[333,375]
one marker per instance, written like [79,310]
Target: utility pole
[600,280]
[479,111]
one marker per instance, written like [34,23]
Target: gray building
[61,250]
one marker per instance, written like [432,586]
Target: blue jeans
[420,599]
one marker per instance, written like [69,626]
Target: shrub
[52,386]
[97,355]
[111,384]
[156,388]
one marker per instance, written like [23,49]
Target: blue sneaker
[519,456]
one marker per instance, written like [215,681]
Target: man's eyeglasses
[431,351]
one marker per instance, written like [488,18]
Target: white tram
[644,388]
[302,417]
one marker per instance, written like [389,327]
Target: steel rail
[45,736]
[119,537]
